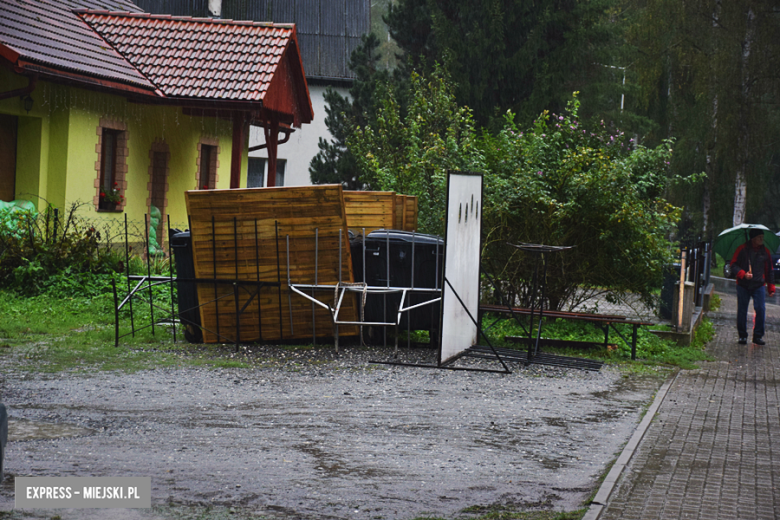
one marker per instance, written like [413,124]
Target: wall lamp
[27,102]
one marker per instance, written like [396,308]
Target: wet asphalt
[329,438]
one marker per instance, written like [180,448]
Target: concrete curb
[600,501]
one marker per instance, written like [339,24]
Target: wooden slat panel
[410,223]
[400,211]
[254,247]
[370,210]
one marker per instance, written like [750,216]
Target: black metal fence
[139,289]
[698,260]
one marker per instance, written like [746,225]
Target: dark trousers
[759,305]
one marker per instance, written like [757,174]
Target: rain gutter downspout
[285,131]
[32,81]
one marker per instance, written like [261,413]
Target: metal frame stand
[466,353]
[341,288]
[145,283]
[538,249]
[533,355]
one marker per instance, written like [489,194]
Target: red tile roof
[178,58]
[197,57]
[47,33]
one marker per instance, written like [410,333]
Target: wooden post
[682,293]
[239,126]
[271,131]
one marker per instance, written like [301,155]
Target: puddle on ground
[604,416]
[629,388]
[25,430]
[556,421]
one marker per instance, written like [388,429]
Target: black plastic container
[406,249]
[671,277]
[189,314]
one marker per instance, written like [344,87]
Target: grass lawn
[53,332]
[651,350]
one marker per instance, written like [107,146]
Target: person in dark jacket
[753,264]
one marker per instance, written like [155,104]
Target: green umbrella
[729,240]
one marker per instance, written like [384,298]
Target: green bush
[43,250]
[565,183]
[411,151]
[560,182]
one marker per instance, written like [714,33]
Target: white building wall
[302,146]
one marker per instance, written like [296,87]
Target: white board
[461,264]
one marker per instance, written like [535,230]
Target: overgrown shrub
[41,250]
[560,182]
[410,152]
[566,183]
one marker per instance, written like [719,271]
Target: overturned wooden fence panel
[405,212]
[400,212]
[370,210]
[411,213]
[243,234]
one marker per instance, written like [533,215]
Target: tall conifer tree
[335,164]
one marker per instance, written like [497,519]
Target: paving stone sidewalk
[712,451]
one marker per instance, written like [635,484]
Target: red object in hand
[771,290]
[740,274]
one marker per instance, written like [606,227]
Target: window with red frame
[110,193]
[208,167]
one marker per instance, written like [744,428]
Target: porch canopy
[248,72]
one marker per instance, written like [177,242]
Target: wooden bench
[603,321]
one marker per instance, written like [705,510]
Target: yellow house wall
[56,148]
[32,144]
[57,155]
[145,125]
[32,141]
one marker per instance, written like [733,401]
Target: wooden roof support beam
[239,136]
[271,131]
[285,130]
[21,92]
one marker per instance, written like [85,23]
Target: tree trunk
[740,194]
[712,144]
[743,136]
[709,167]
